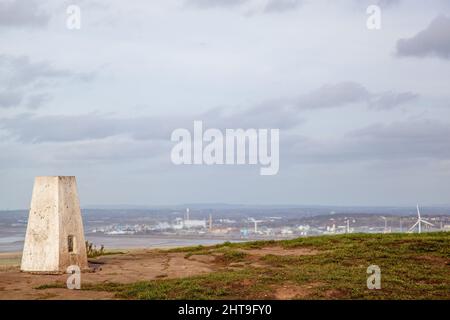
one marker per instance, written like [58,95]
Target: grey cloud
[390,100]
[335,95]
[433,41]
[282,5]
[273,6]
[388,3]
[20,71]
[270,6]
[271,114]
[215,3]
[10,98]
[103,139]
[110,150]
[282,114]
[381,3]
[15,13]
[37,100]
[347,93]
[415,140]
[29,128]
[19,78]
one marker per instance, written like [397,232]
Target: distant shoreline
[132,242]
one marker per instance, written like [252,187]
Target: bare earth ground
[133,266]
[129,267]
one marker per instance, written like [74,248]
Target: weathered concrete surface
[55,216]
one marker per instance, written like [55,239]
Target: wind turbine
[419,221]
[385,224]
[256,224]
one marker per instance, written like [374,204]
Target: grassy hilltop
[413,266]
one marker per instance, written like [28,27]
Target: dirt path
[134,266]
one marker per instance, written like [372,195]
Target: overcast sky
[364,115]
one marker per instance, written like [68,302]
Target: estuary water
[14,243]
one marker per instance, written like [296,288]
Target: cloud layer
[22,81]
[357,124]
[432,41]
[22,13]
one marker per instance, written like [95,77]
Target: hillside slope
[412,266]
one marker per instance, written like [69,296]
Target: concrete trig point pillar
[55,236]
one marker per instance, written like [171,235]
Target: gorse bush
[92,251]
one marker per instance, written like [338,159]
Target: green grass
[105,253]
[412,266]
[10,262]
[233,256]
[93,252]
[51,286]
[227,244]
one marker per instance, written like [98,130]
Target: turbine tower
[385,224]
[256,224]
[419,222]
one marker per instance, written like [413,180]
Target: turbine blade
[426,222]
[418,211]
[414,225]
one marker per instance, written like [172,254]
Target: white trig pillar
[55,237]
